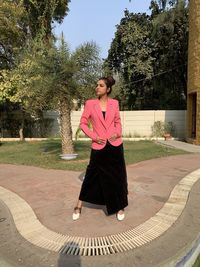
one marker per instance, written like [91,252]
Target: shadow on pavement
[68,256]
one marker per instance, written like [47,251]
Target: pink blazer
[103,128]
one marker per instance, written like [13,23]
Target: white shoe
[120,217]
[76,215]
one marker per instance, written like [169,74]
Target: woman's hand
[113,137]
[100,140]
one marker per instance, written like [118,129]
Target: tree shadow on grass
[51,146]
[81,146]
[55,147]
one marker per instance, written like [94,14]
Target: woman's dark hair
[109,81]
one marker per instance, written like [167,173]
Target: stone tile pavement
[161,225]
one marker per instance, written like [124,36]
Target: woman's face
[101,88]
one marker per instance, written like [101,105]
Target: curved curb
[189,254]
[32,230]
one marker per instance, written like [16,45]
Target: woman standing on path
[105,181]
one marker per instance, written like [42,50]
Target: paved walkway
[36,207]
[181,145]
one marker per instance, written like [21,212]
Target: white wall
[140,122]
[135,123]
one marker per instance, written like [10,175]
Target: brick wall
[194,67]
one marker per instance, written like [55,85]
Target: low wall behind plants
[134,123]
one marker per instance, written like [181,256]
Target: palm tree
[51,77]
[69,72]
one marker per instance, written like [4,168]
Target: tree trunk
[65,126]
[21,128]
[41,123]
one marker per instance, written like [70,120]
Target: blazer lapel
[99,113]
[109,113]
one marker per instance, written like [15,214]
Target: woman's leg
[77,211]
[79,204]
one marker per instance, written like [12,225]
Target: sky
[96,20]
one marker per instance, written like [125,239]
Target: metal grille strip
[31,229]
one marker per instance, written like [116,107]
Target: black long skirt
[105,181]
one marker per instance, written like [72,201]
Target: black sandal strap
[77,208]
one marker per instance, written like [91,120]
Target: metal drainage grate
[114,243]
[92,247]
[32,230]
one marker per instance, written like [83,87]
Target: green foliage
[49,77]
[170,41]
[45,154]
[130,56]
[169,127]
[41,14]
[159,128]
[89,69]
[33,126]
[45,74]
[149,55]
[79,132]
[13,31]
[16,84]
[22,20]
[197,262]
[27,80]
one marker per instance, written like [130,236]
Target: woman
[105,181]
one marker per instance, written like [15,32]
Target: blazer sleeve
[117,121]
[85,120]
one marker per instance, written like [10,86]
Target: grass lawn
[46,153]
[197,262]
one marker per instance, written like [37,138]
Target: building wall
[134,123]
[194,68]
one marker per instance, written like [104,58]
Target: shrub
[169,127]
[159,128]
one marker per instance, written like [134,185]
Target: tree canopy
[23,20]
[41,14]
[149,55]
[13,32]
